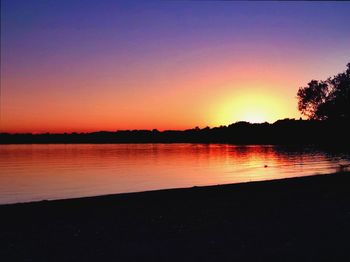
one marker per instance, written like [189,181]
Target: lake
[58,171]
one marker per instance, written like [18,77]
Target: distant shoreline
[294,219]
[287,131]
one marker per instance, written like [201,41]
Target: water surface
[56,171]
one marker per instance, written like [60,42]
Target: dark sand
[301,219]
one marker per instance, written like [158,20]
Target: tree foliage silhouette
[326,100]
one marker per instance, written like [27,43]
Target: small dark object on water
[343,168]
[265,166]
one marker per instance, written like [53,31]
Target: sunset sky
[108,65]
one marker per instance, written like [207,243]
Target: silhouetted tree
[329,99]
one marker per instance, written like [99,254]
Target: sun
[254,116]
[253,107]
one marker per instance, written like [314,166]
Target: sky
[80,66]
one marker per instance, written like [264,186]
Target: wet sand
[298,219]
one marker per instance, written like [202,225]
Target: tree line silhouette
[325,103]
[328,99]
[287,131]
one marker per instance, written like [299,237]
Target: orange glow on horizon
[169,100]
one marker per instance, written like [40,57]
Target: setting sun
[252,106]
[254,117]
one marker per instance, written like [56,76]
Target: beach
[295,219]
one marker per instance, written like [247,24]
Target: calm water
[37,172]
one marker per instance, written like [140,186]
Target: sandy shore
[299,219]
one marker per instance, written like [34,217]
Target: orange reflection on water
[35,172]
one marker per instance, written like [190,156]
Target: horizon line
[152,129]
